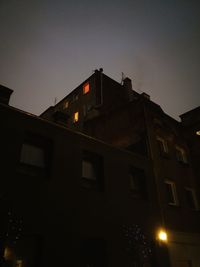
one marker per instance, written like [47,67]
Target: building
[68,199]
[93,180]
[116,114]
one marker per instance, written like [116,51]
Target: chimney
[5,94]
[127,84]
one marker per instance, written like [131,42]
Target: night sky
[47,48]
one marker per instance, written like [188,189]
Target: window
[74,97]
[86,88]
[138,182]
[191,198]
[76,117]
[181,155]
[92,171]
[171,195]
[66,104]
[35,156]
[163,147]
[32,155]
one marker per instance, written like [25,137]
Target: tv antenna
[123,77]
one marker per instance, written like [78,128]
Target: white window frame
[174,192]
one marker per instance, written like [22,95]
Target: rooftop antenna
[55,101]
[123,77]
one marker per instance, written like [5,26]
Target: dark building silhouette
[92,181]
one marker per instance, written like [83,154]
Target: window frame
[31,161]
[42,143]
[96,161]
[194,198]
[163,146]
[137,182]
[173,192]
[181,156]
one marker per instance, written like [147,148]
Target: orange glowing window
[76,116]
[86,88]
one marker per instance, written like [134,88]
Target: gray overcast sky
[47,48]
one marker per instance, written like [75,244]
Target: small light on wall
[162,235]
[198,132]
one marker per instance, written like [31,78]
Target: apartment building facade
[72,200]
[114,113]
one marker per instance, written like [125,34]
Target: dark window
[191,198]
[35,156]
[92,171]
[93,253]
[138,183]
[162,146]
[181,155]
[140,146]
[171,194]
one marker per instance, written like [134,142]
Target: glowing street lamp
[162,235]
[197,132]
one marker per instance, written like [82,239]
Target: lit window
[181,155]
[138,182]
[86,88]
[163,147]
[171,194]
[76,116]
[32,155]
[191,198]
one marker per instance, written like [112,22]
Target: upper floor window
[162,144]
[138,182]
[32,155]
[35,157]
[66,104]
[191,198]
[92,170]
[76,117]
[181,155]
[171,194]
[86,88]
